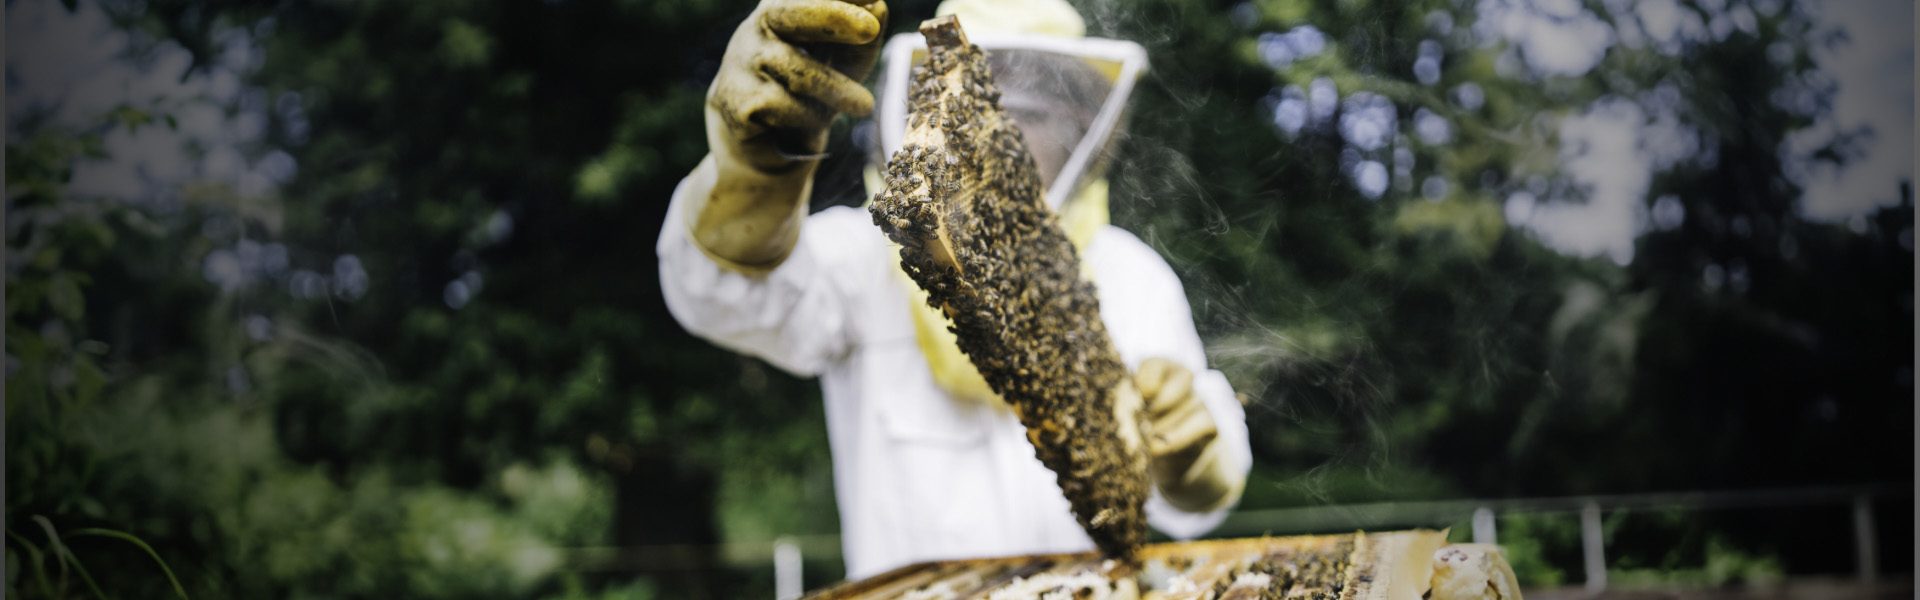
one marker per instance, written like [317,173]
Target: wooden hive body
[1359,566]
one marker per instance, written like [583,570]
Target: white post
[1483,532]
[1593,546]
[1865,551]
[787,583]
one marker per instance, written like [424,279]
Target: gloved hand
[1188,462]
[789,69]
[1473,572]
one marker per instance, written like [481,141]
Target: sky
[1875,74]
[78,68]
[1613,148]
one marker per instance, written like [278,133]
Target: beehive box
[1361,566]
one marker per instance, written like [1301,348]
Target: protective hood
[1067,93]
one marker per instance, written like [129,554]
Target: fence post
[787,583]
[1483,529]
[1593,546]
[1866,551]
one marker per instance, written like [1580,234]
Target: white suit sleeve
[793,317]
[1145,307]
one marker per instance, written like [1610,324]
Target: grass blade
[66,555]
[39,561]
[142,544]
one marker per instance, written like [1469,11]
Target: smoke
[1311,386]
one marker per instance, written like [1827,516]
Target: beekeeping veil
[1067,93]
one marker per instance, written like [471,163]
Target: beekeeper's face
[1052,98]
[1048,141]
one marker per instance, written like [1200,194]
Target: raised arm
[794,315]
[789,69]
[734,266]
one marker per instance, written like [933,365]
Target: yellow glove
[789,69]
[1189,463]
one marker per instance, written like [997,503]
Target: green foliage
[1418,347]
[188,460]
[1527,541]
[1725,565]
[274,442]
[1545,551]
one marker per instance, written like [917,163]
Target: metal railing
[786,554]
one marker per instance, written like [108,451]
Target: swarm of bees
[964,201]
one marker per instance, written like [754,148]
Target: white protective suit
[918,474]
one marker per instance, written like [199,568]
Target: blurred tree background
[397,331]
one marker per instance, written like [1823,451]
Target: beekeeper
[928,462]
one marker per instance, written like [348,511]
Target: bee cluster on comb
[964,200]
[1394,565]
